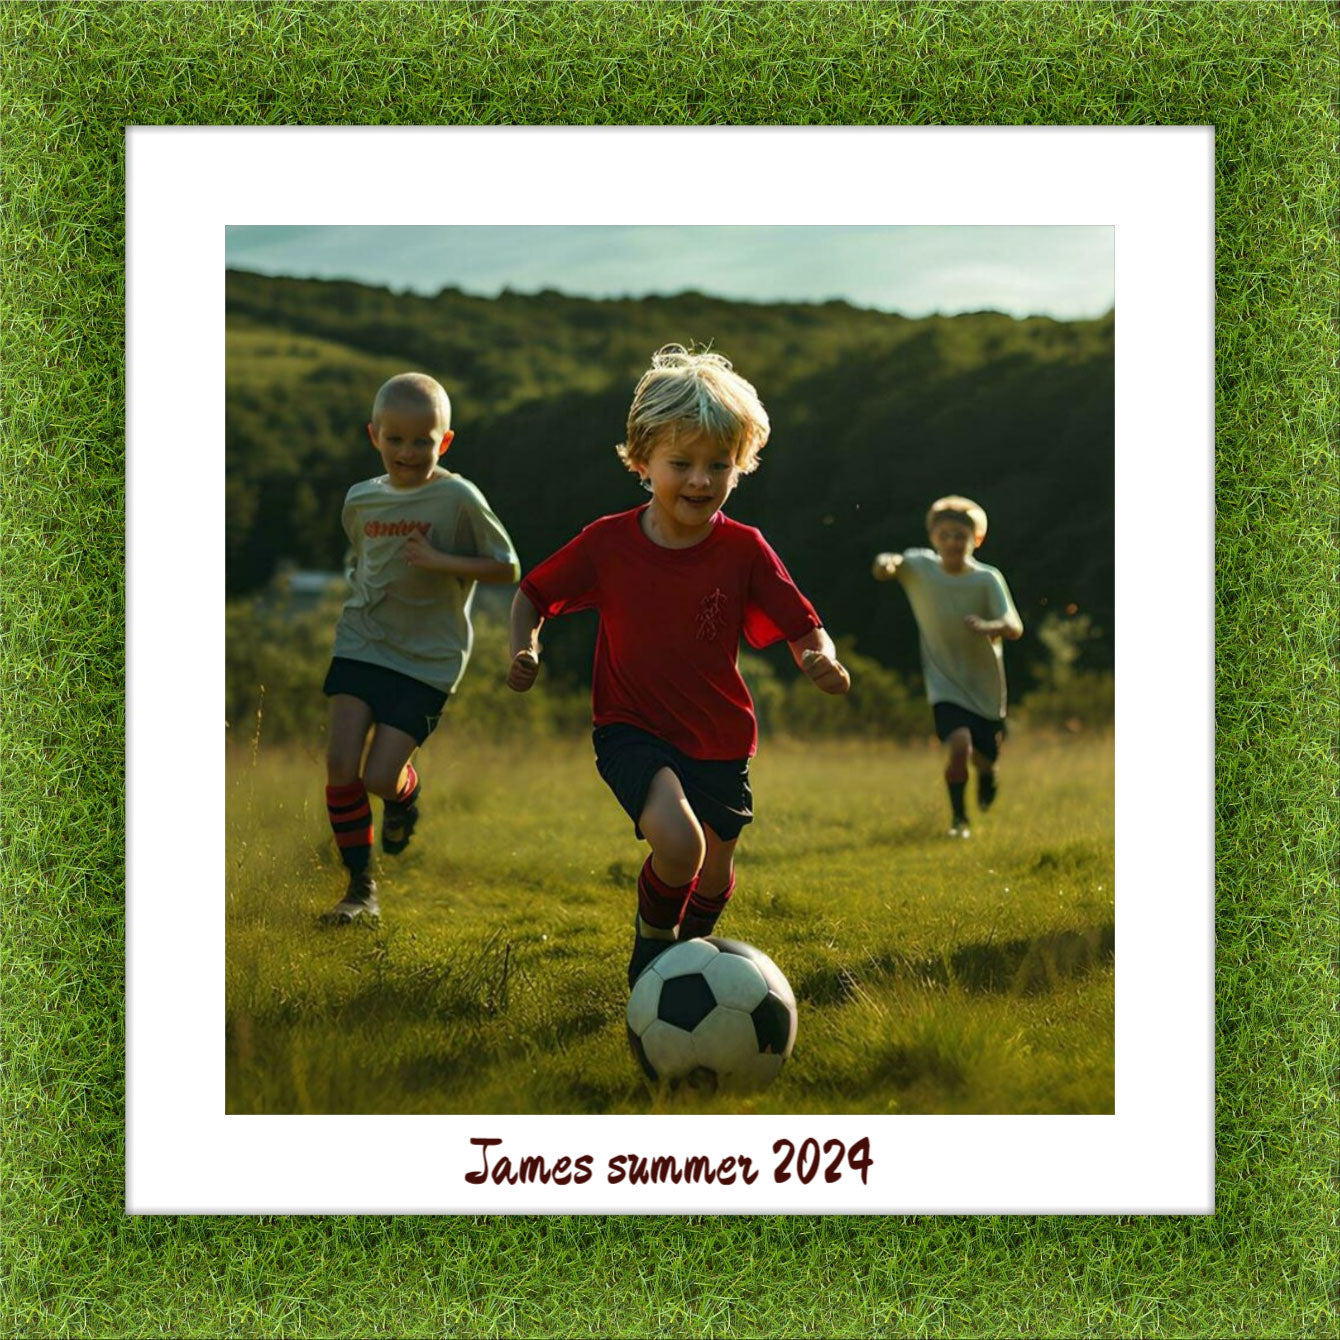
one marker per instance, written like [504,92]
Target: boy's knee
[718,858]
[382,783]
[341,768]
[678,853]
[715,878]
[960,747]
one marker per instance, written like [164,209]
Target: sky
[1066,272]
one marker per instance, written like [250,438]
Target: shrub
[881,702]
[1065,696]
[1085,701]
[276,658]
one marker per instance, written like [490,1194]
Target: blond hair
[412,390]
[699,393]
[955,507]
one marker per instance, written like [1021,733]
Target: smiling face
[410,437]
[691,476]
[953,541]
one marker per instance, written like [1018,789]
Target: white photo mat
[1154,186]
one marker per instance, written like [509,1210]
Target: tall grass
[931,975]
[276,656]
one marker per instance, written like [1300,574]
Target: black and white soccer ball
[715,1014]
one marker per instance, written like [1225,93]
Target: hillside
[873,415]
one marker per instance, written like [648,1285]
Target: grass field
[931,975]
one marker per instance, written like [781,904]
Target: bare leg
[384,770]
[390,774]
[664,885]
[716,883]
[960,751]
[986,779]
[350,718]
[956,777]
[677,842]
[347,807]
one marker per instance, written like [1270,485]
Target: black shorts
[717,790]
[986,733]
[396,700]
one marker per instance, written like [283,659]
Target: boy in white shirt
[963,609]
[421,538]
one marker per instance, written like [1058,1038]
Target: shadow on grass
[292,1053]
[1014,967]
[1075,859]
[914,833]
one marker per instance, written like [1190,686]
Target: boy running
[676,583]
[421,538]
[963,609]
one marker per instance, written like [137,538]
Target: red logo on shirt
[374,528]
[710,614]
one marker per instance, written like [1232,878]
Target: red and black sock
[351,820]
[658,903]
[701,911]
[956,801]
[409,791]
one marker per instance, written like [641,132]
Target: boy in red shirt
[676,583]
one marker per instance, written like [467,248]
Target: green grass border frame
[75,74]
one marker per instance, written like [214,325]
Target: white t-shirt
[406,618]
[959,666]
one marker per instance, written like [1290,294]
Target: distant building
[296,590]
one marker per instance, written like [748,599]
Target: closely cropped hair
[412,389]
[696,393]
[957,508]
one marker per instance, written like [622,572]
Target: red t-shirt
[670,626]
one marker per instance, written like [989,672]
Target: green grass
[74,75]
[932,975]
[279,363]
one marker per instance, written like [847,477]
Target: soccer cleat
[398,820]
[695,927]
[358,904]
[647,947]
[960,829]
[986,789]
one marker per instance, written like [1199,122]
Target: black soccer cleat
[694,927]
[986,790]
[398,820]
[358,904]
[646,948]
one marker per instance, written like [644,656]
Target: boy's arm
[525,625]
[1008,626]
[420,554]
[1007,623]
[885,567]
[348,523]
[817,657]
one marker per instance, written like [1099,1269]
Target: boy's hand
[885,567]
[825,673]
[523,670]
[420,554]
[980,625]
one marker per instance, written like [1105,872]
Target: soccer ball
[712,1013]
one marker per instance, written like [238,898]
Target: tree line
[873,415]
